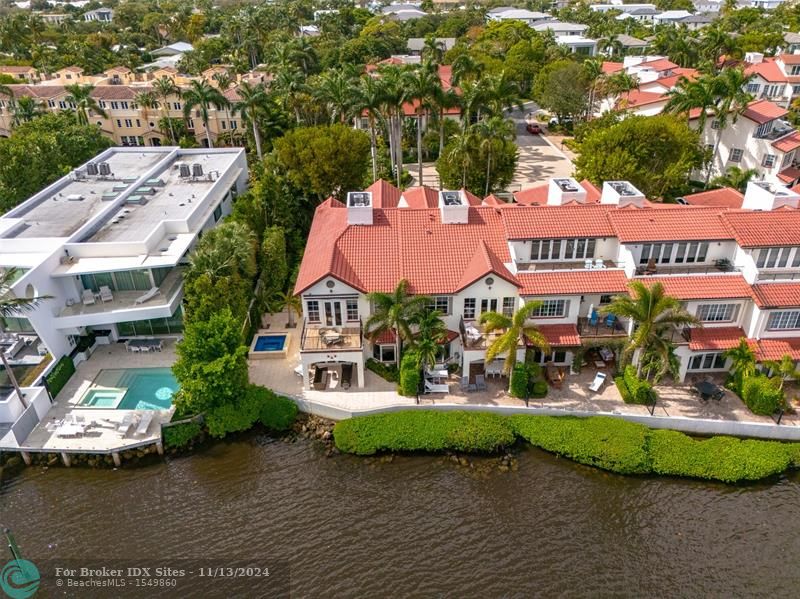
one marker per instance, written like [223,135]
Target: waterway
[418,526]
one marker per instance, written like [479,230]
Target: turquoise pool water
[147,388]
[102,398]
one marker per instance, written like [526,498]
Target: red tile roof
[777,295]
[789,174]
[659,64]
[16,69]
[553,222]
[484,262]
[680,224]
[421,197]
[384,194]
[687,72]
[560,335]
[493,200]
[573,282]
[726,197]
[762,229]
[767,70]
[640,98]
[612,67]
[790,58]
[763,111]
[775,349]
[692,287]
[787,143]
[715,338]
[538,194]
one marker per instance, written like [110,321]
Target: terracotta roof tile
[763,229]
[790,58]
[560,335]
[788,142]
[482,263]
[775,349]
[726,197]
[640,98]
[420,197]
[548,222]
[659,64]
[573,282]
[763,111]
[714,338]
[777,295]
[789,174]
[767,70]
[384,194]
[691,287]
[538,194]
[117,92]
[612,67]
[680,224]
[493,200]
[16,69]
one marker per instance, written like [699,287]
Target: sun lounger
[144,423]
[125,424]
[436,374]
[147,296]
[598,381]
[436,388]
[87,297]
[105,294]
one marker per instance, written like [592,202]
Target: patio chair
[105,294]
[87,297]
[480,382]
[319,379]
[610,321]
[598,381]
[347,375]
[588,264]
[144,424]
[593,318]
[466,386]
[718,394]
[436,388]
[599,264]
[147,296]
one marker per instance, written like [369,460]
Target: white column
[360,368]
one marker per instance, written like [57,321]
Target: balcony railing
[472,341]
[716,268]
[524,266]
[321,338]
[601,329]
[789,274]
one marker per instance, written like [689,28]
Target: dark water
[420,526]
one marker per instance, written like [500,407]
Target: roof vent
[197,170]
[453,207]
[74,197]
[105,169]
[561,191]
[91,169]
[621,193]
[359,208]
[185,171]
[761,195]
[753,57]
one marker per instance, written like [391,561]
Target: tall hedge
[633,389]
[762,394]
[518,386]
[60,374]
[410,376]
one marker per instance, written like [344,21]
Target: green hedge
[60,374]
[181,435]
[423,430]
[518,385]
[608,443]
[385,371]
[633,389]
[409,375]
[540,389]
[762,395]
[258,404]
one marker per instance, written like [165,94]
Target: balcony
[718,267]
[619,328]
[475,337]
[778,274]
[321,338]
[572,265]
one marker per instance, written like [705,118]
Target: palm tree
[743,362]
[431,333]
[432,49]
[289,84]
[493,133]
[611,45]
[735,177]
[395,312]
[443,100]
[292,304]
[732,100]
[618,84]
[224,81]
[594,74]
[394,96]
[250,105]
[500,93]
[460,152]
[81,97]
[146,100]
[335,89]
[25,109]
[516,331]
[370,100]
[163,88]
[421,86]
[6,91]
[784,369]
[11,306]
[202,95]
[688,95]
[655,314]
[466,68]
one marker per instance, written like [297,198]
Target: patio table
[706,389]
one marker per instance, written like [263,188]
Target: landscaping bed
[611,444]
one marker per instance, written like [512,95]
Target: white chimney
[454,207]
[753,57]
[761,195]
[621,193]
[561,191]
[359,208]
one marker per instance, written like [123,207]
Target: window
[352,309]
[784,320]
[102,104]
[138,123]
[770,91]
[119,124]
[217,213]
[223,125]
[128,123]
[717,312]
[469,308]
[509,303]
[752,88]
[574,249]
[787,160]
[440,303]
[711,361]
[383,353]
[606,299]
[312,310]
[795,90]
[488,305]
[796,261]
[176,105]
[551,309]
[51,103]
[114,105]
[579,249]
[768,161]
[124,105]
[795,70]
[658,252]
[691,252]
[62,104]
[736,155]
[774,257]
[233,124]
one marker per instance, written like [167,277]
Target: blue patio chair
[593,319]
[610,321]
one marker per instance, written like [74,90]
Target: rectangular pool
[132,389]
[272,345]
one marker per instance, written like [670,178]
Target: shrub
[60,374]
[409,375]
[385,371]
[607,443]
[633,389]
[277,413]
[720,458]
[182,434]
[762,395]
[423,430]
[518,386]
[539,389]
[257,404]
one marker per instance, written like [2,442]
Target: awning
[715,338]
[560,335]
[775,349]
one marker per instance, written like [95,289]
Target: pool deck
[100,439]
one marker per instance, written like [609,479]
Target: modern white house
[570,245]
[100,15]
[106,244]
[516,14]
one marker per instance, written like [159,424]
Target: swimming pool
[131,389]
[269,345]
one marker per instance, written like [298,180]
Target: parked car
[533,128]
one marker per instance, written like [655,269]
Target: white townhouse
[107,244]
[516,14]
[570,245]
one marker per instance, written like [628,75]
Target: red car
[533,129]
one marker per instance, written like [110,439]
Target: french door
[333,313]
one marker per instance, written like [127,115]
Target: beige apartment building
[126,122]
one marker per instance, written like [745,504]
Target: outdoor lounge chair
[593,318]
[144,423]
[347,375]
[610,321]
[147,296]
[436,388]
[599,264]
[87,297]
[480,383]
[105,294]
[598,381]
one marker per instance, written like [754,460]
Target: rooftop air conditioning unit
[91,169]
[197,170]
[185,171]
[105,169]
